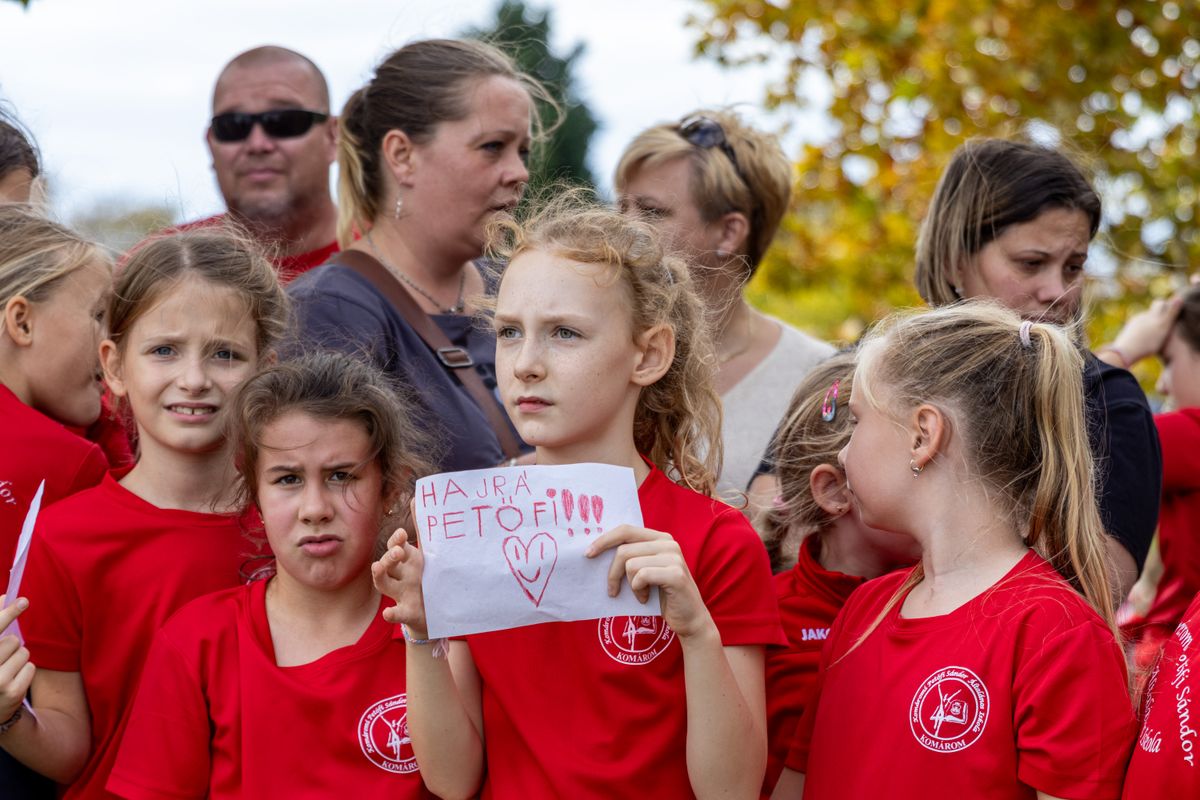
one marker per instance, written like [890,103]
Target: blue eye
[507,332]
[163,351]
[566,333]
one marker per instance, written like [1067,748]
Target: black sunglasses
[282,123]
[706,133]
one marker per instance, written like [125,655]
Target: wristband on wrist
[1108,348]
[441,647]
[13,720]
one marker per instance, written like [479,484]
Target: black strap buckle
[455,357]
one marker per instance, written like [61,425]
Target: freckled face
[565,356]
[1035,268]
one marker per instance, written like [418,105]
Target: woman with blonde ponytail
[992,667]
[430,150]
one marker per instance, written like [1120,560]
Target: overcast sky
[118,93]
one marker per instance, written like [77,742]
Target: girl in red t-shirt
[190,318]
[993,665]
[293,685]
[815,524]
[54,286]
[602,356]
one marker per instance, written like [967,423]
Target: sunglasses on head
[282,123]
[706,133]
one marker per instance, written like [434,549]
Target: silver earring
[916,471]
[957,291]
[399,205]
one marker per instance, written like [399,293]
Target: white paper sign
[18,567]
[505,547]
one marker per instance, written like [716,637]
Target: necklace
[725,359]
[458,307]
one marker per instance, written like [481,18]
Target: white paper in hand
[18,567]
[505,547]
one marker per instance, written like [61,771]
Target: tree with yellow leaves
[1112,81]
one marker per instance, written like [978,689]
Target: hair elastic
[829,405]
[1025,327]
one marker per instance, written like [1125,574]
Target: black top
[1124,443]
[339,309]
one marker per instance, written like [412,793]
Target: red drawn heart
[568,503]
[532,563]
[597,507]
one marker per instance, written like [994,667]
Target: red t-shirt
[289,267]
[1179,517]
[34,448]
[810,596]
[1021,689]
[105,570]
[215,717]
[1164,761]
[110,433]
[597,708]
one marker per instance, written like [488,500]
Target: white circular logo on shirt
[383,735]
[634,640]
[949,710]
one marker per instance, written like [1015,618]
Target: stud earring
[916,471]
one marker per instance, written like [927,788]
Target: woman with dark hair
[1011,221]
[19,162]
[429,151]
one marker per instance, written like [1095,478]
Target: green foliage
[912,79]
[524,33]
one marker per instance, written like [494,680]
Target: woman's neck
[435,270]
[308,623]
[169,479]
[743,336]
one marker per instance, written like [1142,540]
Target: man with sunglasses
[272,141]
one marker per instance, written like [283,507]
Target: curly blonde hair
[677,424]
